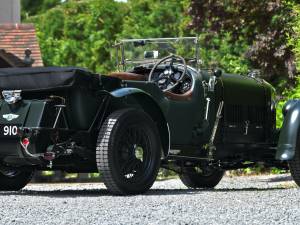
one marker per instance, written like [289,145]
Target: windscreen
[141,51]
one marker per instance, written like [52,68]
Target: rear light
[25,142]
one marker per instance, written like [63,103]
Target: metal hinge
[247,122]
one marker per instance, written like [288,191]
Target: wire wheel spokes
[135,153]
[9,172]
[131,167]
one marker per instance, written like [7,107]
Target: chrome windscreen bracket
[211,83]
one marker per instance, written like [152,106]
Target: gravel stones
[238,200]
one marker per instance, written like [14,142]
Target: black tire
[194,179]
[14,179]
[128,152]
[294,164]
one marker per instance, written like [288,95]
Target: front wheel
[128,152]
[14,179]
[294,164]
[196,177]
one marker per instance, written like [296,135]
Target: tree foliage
[292,91]
[295,41]
[152,18]
[80,33]
[30,8]
[262,27]
[236,35]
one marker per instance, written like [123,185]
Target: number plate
[8,130]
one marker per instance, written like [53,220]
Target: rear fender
[289,131]
[151,107]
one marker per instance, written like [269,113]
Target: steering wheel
[171,76]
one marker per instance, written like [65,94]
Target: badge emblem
[10,117]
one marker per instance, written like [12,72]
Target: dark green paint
[186,118]
[289,132]
[31,114]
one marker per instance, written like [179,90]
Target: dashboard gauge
[186,86]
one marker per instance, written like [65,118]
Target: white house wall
[10,11]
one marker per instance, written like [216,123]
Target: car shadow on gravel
[152,192]
[197,191]
[279,179]
[59,193]
[93,193]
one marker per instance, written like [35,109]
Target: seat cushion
[128,76]
[179,97]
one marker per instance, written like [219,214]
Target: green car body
[73,120]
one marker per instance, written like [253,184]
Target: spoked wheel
[14,179]
[128,152]
[197,177]
[135,152]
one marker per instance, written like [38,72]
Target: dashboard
[185,84]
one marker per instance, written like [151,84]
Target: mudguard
[119,93]
[153,109]
[289,131]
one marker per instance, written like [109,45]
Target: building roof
[10,60]
[16,38]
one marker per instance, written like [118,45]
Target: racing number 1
[10,130]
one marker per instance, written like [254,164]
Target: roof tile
[16,38]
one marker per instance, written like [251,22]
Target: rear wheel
[197,177]
[14,179]
[128,152]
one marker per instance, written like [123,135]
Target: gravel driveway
[239,200]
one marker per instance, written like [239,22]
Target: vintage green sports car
[160,110]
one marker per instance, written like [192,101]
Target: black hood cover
[46,78]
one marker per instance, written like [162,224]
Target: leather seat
[179,97]
[128,76]
[138,77]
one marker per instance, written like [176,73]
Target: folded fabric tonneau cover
[45,78]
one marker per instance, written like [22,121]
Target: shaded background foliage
[263,26]
[235,35]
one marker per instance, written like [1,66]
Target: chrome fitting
[12,96]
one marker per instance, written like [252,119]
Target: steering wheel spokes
[170,77]
[165,83]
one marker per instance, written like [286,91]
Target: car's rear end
[19,145]
[46,119]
